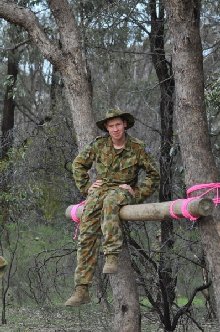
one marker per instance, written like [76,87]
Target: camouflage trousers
[100,218]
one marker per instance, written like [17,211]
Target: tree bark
[163,68]
[8,125]
[199,163]
[9,104]
[75,73]
[126,301]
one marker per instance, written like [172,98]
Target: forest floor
[85,319]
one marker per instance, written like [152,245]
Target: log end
[205,207]
[68,210]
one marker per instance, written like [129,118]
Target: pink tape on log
[74,210]
[75,218]
[184,210]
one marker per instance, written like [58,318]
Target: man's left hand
[127,187]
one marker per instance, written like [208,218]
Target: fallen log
[157,211]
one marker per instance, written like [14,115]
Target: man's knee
[115,197]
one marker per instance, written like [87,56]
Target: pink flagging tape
[185,211]
[210,187]
[186,214]
[173,215]
[74,211]
[75,218]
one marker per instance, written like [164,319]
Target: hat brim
[125,116]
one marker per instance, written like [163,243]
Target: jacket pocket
[129,168]
[128,163]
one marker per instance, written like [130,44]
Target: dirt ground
[84,319]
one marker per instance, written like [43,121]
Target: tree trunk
[126,301]
[164,73]
[9,104]
[199,164]
[75,73]
[7,127]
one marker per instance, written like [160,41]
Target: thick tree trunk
[9,104]
[126,300]
[75,73]
[7,128]
[199,164]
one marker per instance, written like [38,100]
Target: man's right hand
[95,184]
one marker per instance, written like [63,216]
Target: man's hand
[95,184]
[127,187]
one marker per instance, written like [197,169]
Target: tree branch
[15,47]
[25,18]
[185,308]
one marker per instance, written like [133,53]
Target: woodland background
[128,54]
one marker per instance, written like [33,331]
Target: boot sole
[106,271]
[76,304]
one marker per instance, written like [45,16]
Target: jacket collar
[127,142]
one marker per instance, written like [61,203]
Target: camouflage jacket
[116,167]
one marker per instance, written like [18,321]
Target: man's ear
[125,124]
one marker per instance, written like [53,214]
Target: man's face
[116,128]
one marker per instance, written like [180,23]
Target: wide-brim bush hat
[116,113]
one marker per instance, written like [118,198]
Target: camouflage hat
[115,113]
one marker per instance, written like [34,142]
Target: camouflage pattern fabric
[101,213]
[116,167]
[100,218]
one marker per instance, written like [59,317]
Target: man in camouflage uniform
[117,158]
